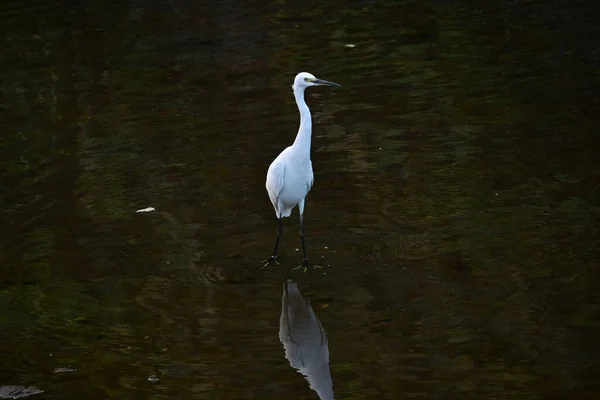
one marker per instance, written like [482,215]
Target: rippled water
[455,209]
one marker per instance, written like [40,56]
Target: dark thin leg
[304,259]
[273,258]
[279,230]
[305,263]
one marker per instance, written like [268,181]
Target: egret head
[304,80]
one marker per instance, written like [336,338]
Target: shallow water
[455,210]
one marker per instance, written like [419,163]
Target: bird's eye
[306,79]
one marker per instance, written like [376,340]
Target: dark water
[456,206]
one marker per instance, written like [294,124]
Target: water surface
[455,209]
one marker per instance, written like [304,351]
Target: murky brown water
[455,208]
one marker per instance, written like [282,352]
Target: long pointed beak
[324,82]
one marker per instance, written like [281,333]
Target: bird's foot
[268,261]
[305,264]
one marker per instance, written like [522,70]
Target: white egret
[290,175]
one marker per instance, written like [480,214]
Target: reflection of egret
[304,340]
[290,175]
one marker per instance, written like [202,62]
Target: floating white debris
[147,209]
[63,369]
[17,392]
[152,379]
[350,45]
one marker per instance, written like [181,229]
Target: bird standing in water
[290,175]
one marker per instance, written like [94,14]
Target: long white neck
[302,142]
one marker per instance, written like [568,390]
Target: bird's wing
[274,182]
[312,176]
